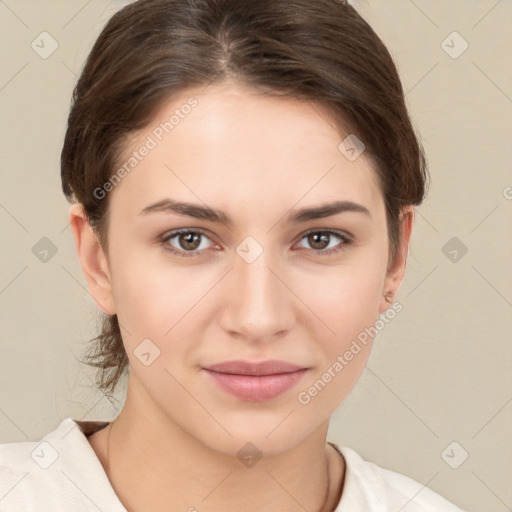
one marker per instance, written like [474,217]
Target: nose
[257,306]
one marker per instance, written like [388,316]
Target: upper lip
[269,367]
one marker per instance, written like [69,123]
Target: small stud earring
[389,297]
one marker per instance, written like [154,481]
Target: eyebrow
[213,215]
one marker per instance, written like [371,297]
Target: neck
[152,462]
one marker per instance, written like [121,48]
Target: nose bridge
[257,306]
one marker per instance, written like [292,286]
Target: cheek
[345,298]
[348,307]
[152,295]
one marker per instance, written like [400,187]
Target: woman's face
[253,286]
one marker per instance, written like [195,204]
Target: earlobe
[396,273]
[92,260]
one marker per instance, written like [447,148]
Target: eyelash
[346,240]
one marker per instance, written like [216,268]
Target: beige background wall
[439,373]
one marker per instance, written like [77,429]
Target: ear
[92,259]
[396,272]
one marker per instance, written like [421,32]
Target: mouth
[270,367]
[255,382]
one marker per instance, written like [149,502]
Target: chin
[256,439]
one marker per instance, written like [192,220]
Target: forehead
[230,140]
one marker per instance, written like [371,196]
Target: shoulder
[370,487]
[58,472]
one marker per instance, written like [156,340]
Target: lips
[255,382]
[271,367]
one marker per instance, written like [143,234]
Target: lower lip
[256,388]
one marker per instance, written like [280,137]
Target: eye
[320,240]
[188,242]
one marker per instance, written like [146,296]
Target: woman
[244,176]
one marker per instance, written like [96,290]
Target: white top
[61,473]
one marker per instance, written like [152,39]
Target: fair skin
[258,159]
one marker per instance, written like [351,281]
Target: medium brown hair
[314,50]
